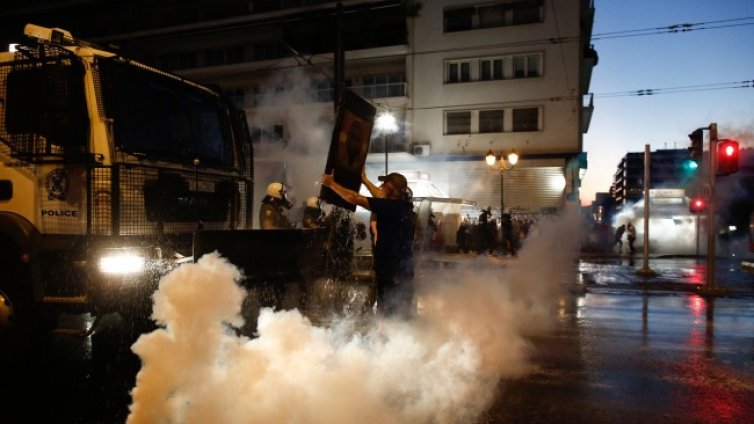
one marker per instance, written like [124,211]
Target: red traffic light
[727,157]
[697,205]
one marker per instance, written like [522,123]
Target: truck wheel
[16,304]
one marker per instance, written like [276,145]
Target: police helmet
[276,190]
[312,202]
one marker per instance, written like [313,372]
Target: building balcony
[395,90]
[587,111]
[587,18]
[380,91]
[588,63]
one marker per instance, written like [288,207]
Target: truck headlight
[122,262]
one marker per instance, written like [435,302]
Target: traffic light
[727,157]
[689,166]
[697,145]
[698,205]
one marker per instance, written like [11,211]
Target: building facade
[463,78]
[668,170]
[485,77]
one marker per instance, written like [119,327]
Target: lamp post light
[506,163]
[386,124]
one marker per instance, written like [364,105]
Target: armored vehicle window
[163,117]
[47,100]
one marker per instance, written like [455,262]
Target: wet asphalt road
[621,352]
[639,358]
[629,349]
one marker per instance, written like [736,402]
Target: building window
[270,134]
[459,71]
[224,55]
[180,60]
[380,83]
[458,122]
[396,85]
[494,68]
[491,69]
[490,121]
[323,91]
[255,96]
[459,19]
[491,16]
[256,134]
[381,86]
[526,12]
[494,15]
[235,54]
[237,96]
[526,66]
[277,132]
[213,57]
[526,119]
[267,51]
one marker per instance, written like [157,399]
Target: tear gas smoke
[668,235]
[299,158]
[441,367]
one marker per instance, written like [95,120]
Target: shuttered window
[458,122]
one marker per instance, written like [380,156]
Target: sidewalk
[734,277]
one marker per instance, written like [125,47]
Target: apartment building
[501,76]
[462,77]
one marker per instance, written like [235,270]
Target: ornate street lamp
[506,162]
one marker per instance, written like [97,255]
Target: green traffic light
[690,165]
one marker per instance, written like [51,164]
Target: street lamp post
[386,124]
[506,163]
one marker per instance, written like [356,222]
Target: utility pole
[710,288]
[340,57]
[645,270]
[710,282]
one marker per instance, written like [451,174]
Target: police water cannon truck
[112,173]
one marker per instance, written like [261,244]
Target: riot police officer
[314,217]
[275,205]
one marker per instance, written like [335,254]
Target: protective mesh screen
[142,200]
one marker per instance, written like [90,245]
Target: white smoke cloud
[299,159]
[442,367]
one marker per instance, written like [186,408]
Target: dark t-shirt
[395,228]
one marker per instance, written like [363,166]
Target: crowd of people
[395,232]
[484,235]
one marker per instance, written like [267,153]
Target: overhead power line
[679,89]
[640,92]
[676,28]
[670,29]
